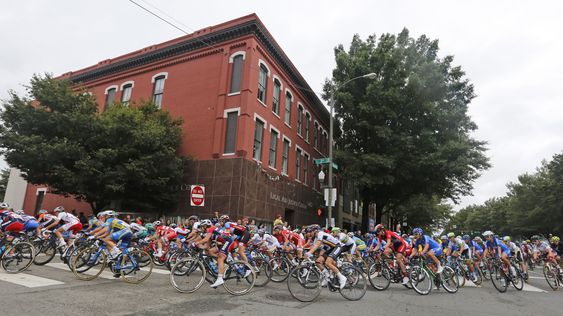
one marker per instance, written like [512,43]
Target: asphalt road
[53,290]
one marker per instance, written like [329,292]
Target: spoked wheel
[131,270]
[518,281]
[499,279]
[89,263]
[237,279]
[146,259]
[279,269]
[379,276]
[477,277]
[449,280]
[460,273]
[420,280]
[18,258]
[550,274]
[356,283]
[187,275]
[304,283]
[45,253]
[262,270]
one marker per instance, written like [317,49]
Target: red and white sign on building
[198,195]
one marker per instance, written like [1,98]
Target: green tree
[124,157]
[4,176]
[407,132]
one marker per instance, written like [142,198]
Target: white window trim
[126,83]
[256,116]
[288,139]
[235,54]
[230,110]
[276,115]
[165,74]
[44,190]
[291,94]
[308,113]
[300,105]
[234,93]
[274,78]
[286,124]
[116,87]
[272,168]
[228,154]
[297,147]
[272,128]
[305,153]
[260,101]
[261,62]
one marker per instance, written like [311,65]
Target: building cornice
[253,27]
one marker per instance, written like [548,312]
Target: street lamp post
[330,141]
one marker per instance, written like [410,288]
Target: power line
[159,17]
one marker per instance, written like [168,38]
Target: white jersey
[68,218]
[135,228]
[181,231]
[327,239]
[268,239]
[345,240]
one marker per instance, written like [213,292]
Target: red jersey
[164,230]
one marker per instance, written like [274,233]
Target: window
[126,93]
[276,97]
[307,125]
[285,155]
[262,83]
[316,134]
[258,137]
[305,168]
[231,132]
[236,73]
[288,98]
[298,165]
[299,119]
[273,148]
[110,96]
[158,90]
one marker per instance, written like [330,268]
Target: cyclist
[476,249]
[150,229]
[9,222]
[330,250]
[290,240]
[163,234]
[45,219]
[360,244]
[71,224]
[543,249]
[393,244]
[112,231]
[30,223]
[429,247]
[348,244]
[494,247]
[139,231]
[516,253]
[239,233]
[458,248]
[266,241]
[555,245]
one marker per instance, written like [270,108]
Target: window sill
[234,93]
[296,180]
[273,168]
[264,104]
[276,115]
[257,161]
[228,154]
[285,175]
[287,124]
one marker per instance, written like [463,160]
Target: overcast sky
[512,51]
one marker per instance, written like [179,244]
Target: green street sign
[324,161]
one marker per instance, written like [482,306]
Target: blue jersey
[477,246]
[426,240]
[492,245]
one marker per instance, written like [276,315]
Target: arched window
[236,72]
[276,97]
[158,90]
[262,83]
[126,90]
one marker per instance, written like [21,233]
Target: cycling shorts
[228,245]
[12,226]
[334,252]
[243,240]
[30,225]
[398,247]
[437,251]
[124,235]
[74,227]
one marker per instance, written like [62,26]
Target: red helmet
[379,227]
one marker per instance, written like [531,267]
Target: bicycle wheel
[235,281]
[550,274]
[461,275]
[379,276]
[261,268]
[518,281]
[18,258]
[279,269]
[420,280]
[130,269]
[448,280]
[499,279]
[46,252]
[89,263]
[478,277]
[304,283]
[187,275]
[356,283]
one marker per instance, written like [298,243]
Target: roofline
[191,43]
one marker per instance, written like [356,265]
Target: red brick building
[251,122]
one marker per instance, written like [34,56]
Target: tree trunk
[365,215]
[379,206]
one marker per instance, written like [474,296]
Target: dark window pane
[288,109]
[126,94]
[110,97]
[236,74]
[262,83]
[298,164]
[258,136]
[276,98]
[231,133]
[285,156]
[273,148]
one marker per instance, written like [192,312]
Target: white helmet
[4,206]
[488,233]
[206,222]
[59,209]
[195,226]
[107,213]
[20,212]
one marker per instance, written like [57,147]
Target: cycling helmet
[506,238]
[42,212]
[59,209]
[458,237]
[405,236]
[206,222]
[149,226]
[4,206]
[444,237]
[193,218]
[173,225]
[379,227]
[106,213]
[524,242]
[336,230]
[278,227]
[535,237]
[157,223]
[477,238]
[466,237]
[261,231]
[20,212]
[487,233]
[224,218]
[451,235]
[555,239]
[350,234]
[313,228]
[418,231]
[196,225]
